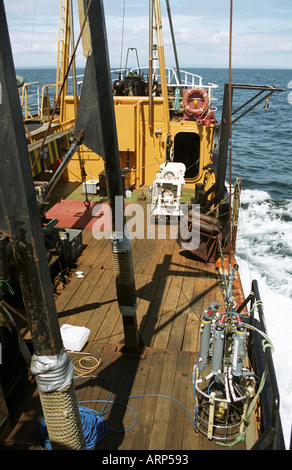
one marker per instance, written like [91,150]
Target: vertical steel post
[150,81]
[173,43]
[22,225]
[224,142]
[96,118]
[161,57]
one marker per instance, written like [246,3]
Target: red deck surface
[74,213]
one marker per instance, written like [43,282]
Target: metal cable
[62,86]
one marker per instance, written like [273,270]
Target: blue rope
[94,424]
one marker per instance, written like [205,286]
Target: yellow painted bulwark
[142,146]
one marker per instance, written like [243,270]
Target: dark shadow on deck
[122,374]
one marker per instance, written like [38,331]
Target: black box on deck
[103,186]
[72,242]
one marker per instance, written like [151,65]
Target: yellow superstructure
[150,129]
[145,148]
[149,132]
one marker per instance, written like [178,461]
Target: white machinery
[165,191]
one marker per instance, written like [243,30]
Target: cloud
[262,32]
[23,45]
[263,43]
[261,39]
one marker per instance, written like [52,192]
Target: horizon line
[239,67]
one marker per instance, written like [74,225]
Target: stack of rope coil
[93,424]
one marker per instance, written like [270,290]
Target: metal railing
[36,100]
[187,79]
[30,99]
[271,435]
[46,100]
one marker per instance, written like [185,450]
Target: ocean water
[262,157]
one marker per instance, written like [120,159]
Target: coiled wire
[93,424]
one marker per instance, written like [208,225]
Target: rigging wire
[63,84]
[123,30]
[230,130]
[32,33]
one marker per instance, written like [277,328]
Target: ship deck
[173,289]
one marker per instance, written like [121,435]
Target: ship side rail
[36,101]
[182,80]
[30,100]
[45,108]
[186,80]
[79,81]
[175,80]
[271,435]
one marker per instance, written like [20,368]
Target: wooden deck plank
[99,388]
[91,303]
[167,315]
[173,289]
[162,300]
[185,306]
[161,417]
[192,291]
[155,250]
[144,425]
[88,388]
[99,254]
[80,314]
[122,415]
[120,388]
[176,418]
[141,281]
[150,324]
[164,262]
[106,294]
[79,296]
[179,324]
[178,259]
[192,333]
[190,439]
[141,255]
[130,377]
[67,293]
[112,317]
[138,389]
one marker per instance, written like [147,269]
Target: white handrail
[30,101]
[187,79]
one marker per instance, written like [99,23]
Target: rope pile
[85,366]
[93,424]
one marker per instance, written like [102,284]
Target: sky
[262,32]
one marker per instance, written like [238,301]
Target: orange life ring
[191,95]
